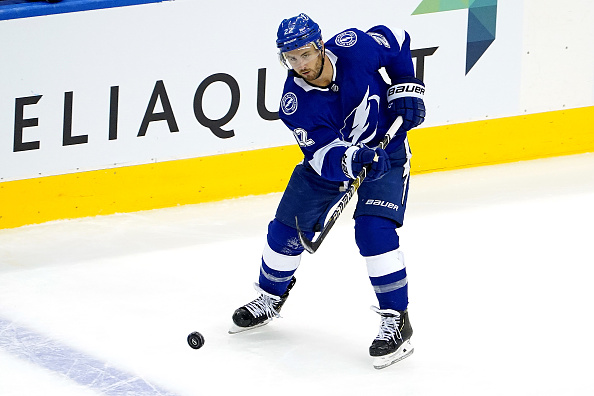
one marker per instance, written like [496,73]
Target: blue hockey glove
[356,158]
[405,98]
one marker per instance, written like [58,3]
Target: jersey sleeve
[393,51]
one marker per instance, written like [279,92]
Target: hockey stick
[312,246]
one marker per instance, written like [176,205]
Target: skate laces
[263,305]
[389,326]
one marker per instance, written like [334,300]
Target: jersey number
[301,136]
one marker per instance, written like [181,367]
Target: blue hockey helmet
[297,32]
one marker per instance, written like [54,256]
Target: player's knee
[375,235]
[284,239]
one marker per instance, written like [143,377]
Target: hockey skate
[260,311]
[392,343]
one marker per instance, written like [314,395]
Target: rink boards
[170,106]
[213,178]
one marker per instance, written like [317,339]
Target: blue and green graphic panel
[482,21]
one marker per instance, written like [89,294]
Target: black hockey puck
[195,340]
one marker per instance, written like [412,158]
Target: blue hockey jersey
[353,109]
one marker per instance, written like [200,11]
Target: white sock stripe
[273,278]
[384,264]
[390,286]
[280,262]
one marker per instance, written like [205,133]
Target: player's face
[306,61]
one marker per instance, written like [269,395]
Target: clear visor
[295,59]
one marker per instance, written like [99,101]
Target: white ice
[500,267]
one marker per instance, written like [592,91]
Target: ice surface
[499,261]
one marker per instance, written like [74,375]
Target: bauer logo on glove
[401,90]
[405,98]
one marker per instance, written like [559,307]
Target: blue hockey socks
[280,258]
[388,277]
[378,242]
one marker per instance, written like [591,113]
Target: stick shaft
[312,246]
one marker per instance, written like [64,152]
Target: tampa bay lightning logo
[289,103]
[346,39]
[360,125]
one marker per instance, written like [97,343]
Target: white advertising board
[182,79]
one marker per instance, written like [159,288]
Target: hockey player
[339,108]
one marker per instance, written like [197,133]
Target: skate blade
[405,350]
[236,329]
